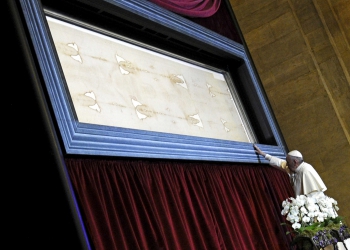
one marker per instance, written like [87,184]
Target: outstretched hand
[258,150]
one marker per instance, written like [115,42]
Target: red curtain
[191,8]
[219,21]
[159,204]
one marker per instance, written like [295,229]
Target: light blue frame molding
[89,139]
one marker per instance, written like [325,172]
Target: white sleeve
[274,161]
[278,163]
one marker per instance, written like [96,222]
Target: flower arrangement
[314,216]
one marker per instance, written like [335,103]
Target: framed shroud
[132,79]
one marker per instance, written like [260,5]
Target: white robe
[305,180]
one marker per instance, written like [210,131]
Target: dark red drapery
[149,204]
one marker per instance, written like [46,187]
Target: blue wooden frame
[90,139]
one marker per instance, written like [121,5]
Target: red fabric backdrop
[157,204]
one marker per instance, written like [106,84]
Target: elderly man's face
[292,164]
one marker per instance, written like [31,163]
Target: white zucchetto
[295,153]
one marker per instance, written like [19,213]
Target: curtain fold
[190,8]
[159,204]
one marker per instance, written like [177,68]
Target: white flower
[320,218]
[319,195]
[330,212]
[306,219]
[296,225]
[311,207]
[312,214]
[300,200]
[310,200]
[285,203]
[294,210]
[292,218]
[333,201]
[303,210]
[317,213]
[292,201]
[285,210]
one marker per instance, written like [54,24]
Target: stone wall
[301,51]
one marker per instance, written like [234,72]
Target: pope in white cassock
[303,177]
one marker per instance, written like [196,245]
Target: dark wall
[39,210]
